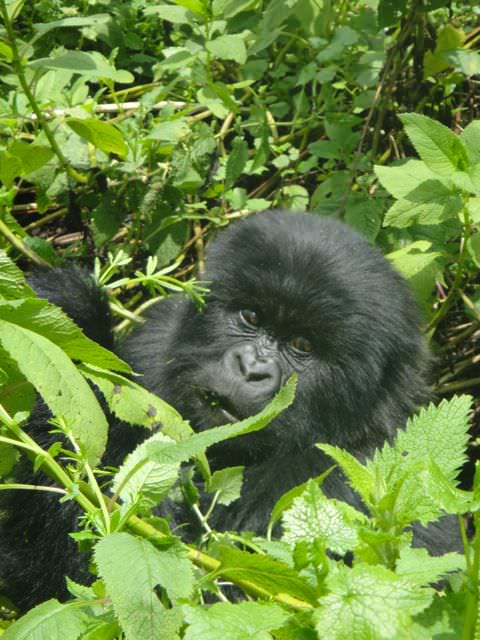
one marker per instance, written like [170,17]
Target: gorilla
[288,293]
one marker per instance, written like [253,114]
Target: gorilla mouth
[222,405]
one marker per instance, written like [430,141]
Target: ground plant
[130,132]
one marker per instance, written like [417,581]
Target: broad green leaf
[312,516]
[170,131]
[8,457]
[404,213]
[143,482]
[421,568]
[239,621]
[133,404]
[198,442]
[31,156]
[273,576]
[51,322]
[368,603]
[358,475]
[471,139]
[59,383]
[473,246]
[176,15]
[236,162]
[132,569]
[440,432]
[101,134]
[196,6]
[91,64]
[48,621]
[413,181]
[419,266]
[440,149]
[89,21]
[12,280]
[466,61]
[228,47]
[228,483]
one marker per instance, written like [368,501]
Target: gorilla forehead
[297,269]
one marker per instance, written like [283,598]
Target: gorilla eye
[301,344]
[250,317]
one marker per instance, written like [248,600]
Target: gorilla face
[290,293]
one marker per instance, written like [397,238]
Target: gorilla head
[289,293]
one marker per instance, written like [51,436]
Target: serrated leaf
[132,569]
[12,280]
[273,576]
[228,483]
[368,603]
[315,517]
[236,162]
[49,620]
[419,567]
[59,383]
[439,432]
[141,481]
[440,149]
[228,47]
[358,475]
[241,621]
[102,135]
[286,501]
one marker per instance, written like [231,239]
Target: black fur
[302,275]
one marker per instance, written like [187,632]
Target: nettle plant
[334,572]
[437,206]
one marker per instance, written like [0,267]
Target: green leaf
[198,442]
[228,483]
[102,135]
[241,621]
[236,162]
[368,603]
[413,181]
[169,131]
[470,137]
[358,475]
[419,266]
[57,380]
[468,62]
[90,64]
[440,149]
[196,6]
[89,21]
[228,47]
[421,568]
[31,156]
[143,482]
[132,569]
[273,576]
[176,15]
[47,621]
[12,280]
[405,213]
[313,516]
[51,322]
[473,246]
[439,432]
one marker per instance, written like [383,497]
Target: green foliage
[140,129]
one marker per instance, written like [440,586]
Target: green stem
[21,246]
[19,70]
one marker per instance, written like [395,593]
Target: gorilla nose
[259,373]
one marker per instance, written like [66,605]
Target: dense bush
[129,132]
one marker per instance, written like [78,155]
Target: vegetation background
[131,131]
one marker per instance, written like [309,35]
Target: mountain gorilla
[288,293]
